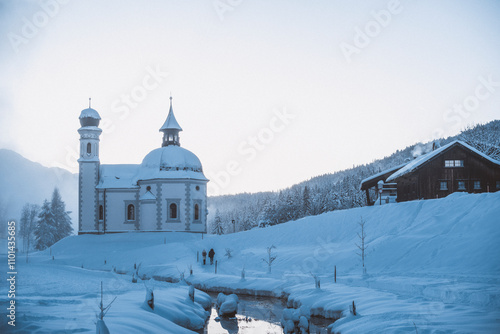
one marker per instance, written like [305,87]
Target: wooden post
[198,256]
[216,266]
[101,316]
[335,275]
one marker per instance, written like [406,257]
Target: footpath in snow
[432,266]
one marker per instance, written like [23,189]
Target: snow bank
[294,320]
[227,306]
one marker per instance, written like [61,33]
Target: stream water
[257,315]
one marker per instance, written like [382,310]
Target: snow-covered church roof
[171,162]
[117,176]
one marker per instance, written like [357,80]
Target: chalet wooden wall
[424,183]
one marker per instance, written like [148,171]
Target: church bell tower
[88,170]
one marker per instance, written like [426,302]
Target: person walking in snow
[204,255]
[211,255]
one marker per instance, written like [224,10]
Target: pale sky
[269,93]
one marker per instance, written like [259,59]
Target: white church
[166,192]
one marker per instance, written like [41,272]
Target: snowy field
[432,267]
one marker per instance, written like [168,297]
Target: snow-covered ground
[432,266]
[65,299]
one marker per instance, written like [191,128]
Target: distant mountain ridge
[24,181]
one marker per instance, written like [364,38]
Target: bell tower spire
[170,129]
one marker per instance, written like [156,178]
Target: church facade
[166,192]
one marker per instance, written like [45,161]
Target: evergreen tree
[306,202]
[484,138]
[267,213]
[61,216]
[246,225]
[28,223]
[23,228]
[45,231]
[217,227]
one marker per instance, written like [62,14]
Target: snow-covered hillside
[23,181]
[431,265]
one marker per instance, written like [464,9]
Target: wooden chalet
[454,167]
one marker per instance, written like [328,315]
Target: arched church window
[173,211]
[196,212]
[130,212]
[89,148]
[101,212]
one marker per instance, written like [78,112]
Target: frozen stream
[257,315]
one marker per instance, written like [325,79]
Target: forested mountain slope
[329,192]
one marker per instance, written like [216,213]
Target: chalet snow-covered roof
[171,122]
[382,173]
[117,176]
[416,163]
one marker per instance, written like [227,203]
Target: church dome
[172,158]
[89,117]
[171,162]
